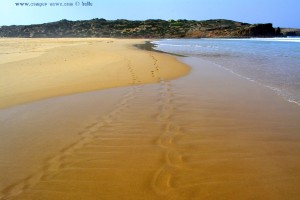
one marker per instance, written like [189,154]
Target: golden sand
[207,135]
[35,69]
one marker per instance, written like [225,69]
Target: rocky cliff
[140,29]
[290,32]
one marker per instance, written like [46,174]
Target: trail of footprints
[155,69]
[59,162]
[134,78]
[163,178]
[162,181]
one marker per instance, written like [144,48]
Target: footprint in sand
[163,178]
[57,163]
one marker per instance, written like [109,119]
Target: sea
[271,62]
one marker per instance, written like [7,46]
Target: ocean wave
[288,39]
[186,47]
[172,45]
[277,39]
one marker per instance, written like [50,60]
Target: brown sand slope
[208,135]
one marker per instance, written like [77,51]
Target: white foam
[293,101]
[276,90]
[276,39]
[288,39]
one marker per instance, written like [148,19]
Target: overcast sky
[280,13]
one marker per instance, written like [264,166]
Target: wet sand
[206,135]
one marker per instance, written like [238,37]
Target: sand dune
[207,135]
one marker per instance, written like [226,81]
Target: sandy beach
[101,119]
[35,69]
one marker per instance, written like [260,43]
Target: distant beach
[102,119]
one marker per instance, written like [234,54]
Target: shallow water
[271,62]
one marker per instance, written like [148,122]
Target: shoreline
[282,86]
[179,138]
[148,46]
[275,90]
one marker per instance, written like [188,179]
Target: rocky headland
[152,28]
